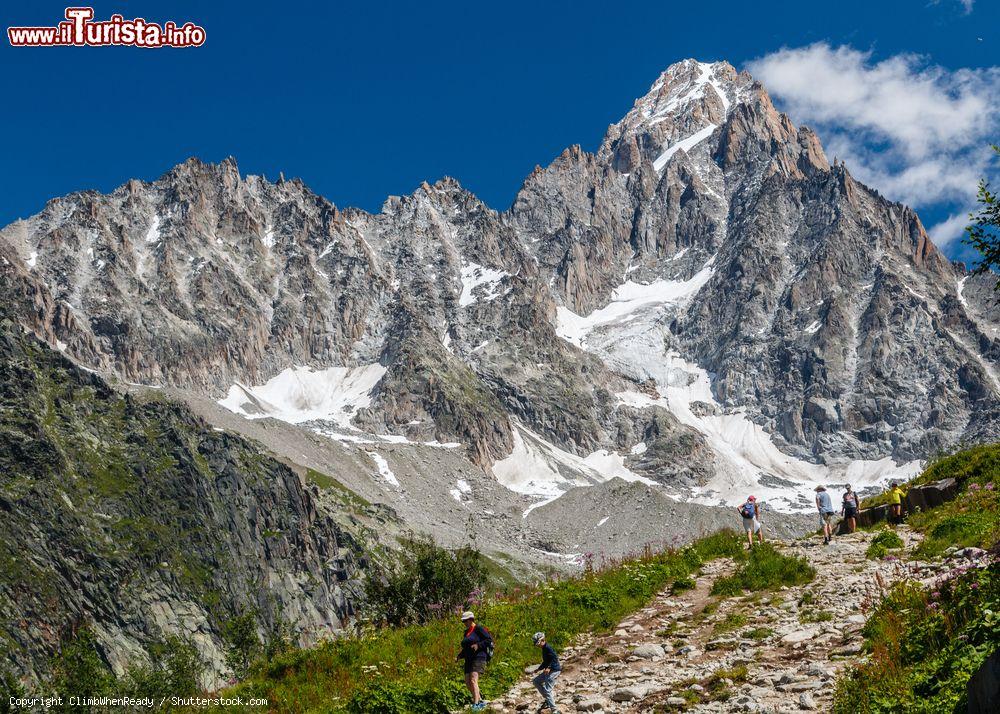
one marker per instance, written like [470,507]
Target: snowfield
[629,334]
[626,300]
[538,468]
[300,394]
[684,144]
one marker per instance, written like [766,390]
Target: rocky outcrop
[931,495]
[130,516]
[984,686]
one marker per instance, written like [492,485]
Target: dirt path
[777,651]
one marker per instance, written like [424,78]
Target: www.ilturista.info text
[79,29]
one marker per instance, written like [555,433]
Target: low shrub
[811,617]
[174,670]
[732,621]
[427,582]
[738,674]
[765,569]
[978,464]
[971,519]
[924,643]
[682,584]
[79,670]
[886,540]
[243,645]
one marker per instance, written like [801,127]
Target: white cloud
[918,133]
[947,231]
[966,4]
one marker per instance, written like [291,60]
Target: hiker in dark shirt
[850,509]
[547,671]
[477,645]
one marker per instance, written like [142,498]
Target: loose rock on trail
[773,651]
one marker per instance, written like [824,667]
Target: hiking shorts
[751,524]
[826,518]
[850,512]
[477,665]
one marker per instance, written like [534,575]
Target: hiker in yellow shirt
[895,503]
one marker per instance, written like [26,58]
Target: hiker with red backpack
[477,650]
[751,520]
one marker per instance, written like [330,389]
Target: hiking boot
[480,706]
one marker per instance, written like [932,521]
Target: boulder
[800,635]
[634,691]
[984,687]
[870,516]
[651,651]
[931,495]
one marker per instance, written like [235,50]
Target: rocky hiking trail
[773,651]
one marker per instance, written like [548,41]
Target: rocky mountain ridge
[129,516]
[705,304]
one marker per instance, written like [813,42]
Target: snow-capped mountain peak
[682,108]
[706,303]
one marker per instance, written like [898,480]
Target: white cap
[467,615]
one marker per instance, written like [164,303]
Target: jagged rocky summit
[704,306]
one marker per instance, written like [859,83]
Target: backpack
[488,647]
[748,510]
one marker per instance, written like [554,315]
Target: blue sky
[363,100]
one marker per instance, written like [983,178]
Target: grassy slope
[925,643]
[413,669]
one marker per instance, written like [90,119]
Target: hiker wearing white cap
[824,504]
[547,671]
[477,649]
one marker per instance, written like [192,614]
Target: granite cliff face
[132,517]
[705,303]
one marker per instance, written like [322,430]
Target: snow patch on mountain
[476,276]
[684,144]
[153,234]
[383,468]
[629,336]
[626,299]
[462,488]
[536,467]
[300,394]
[657,109]
[749,458]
